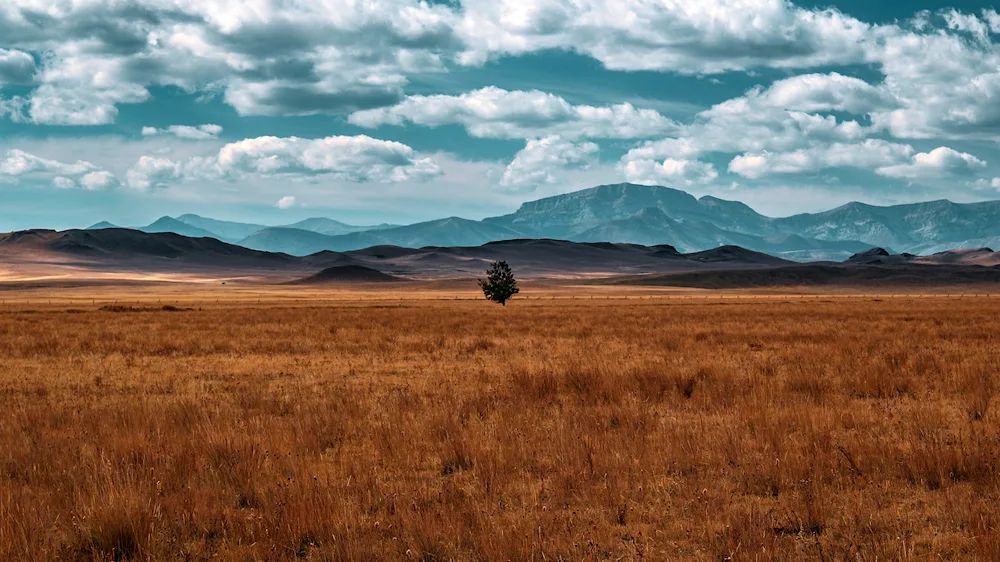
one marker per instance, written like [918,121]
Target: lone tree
[499,285]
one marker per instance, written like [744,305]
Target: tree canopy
[499,285]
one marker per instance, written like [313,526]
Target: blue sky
[398,111]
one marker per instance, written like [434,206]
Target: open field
[332,426]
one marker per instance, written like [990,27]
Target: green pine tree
[499,285]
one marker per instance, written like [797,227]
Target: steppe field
[414,426]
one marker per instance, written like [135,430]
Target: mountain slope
[572,214]
[294,241]
[652,226]
[225,230]
[916,228]
[452,231]
[331,227]
[168,224]
[101,225]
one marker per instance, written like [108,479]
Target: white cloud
[199,132]
[153,173]
[946,85]
[540,159]
[687,36]
[18,165]
[493,112]
[937,84]
[355,159]
[980,29]
[869,154]
[984,184]
[14,108]
[992,19]
[758,121]
[885,158]
[99,181]
[826,92]
[16,67]
[274,58]
[342,56]
[359,158]
[286,202]
[60,182]
[671,171]
[940,162]
[81,89]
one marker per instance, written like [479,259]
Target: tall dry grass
[855,429]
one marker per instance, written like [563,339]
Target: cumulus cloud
[98,181]
[359,158]
[16,67]
[670,171]
[540,159]
[80,87]
[278,58]
[937,84]
[14,108]
[60,182]
[940,162]
[493,112]
[286,202]
[199,132]
[356,159]
[869,154]
[984,184]
[341,56]
[687,36]
[826,92]
[151,172]
[20,165]
[885,158]
[946,86]
[761,120]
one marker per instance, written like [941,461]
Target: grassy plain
[429,429]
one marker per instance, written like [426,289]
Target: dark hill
[116,247]
[736,254]
[823,275]
[348,274]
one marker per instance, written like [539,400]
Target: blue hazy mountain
[640,214]
[452,231]
[101,225]
[224,230]
[332,227]
[168,224]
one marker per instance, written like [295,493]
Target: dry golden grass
[857,429]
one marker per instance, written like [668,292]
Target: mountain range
[79,254]
[639,214]
[37,258]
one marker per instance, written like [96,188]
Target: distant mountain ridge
[640,214]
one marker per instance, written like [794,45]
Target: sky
[399,111]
